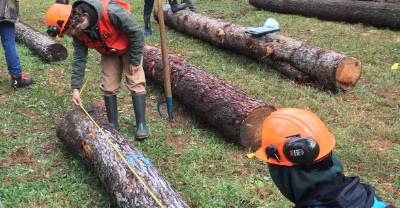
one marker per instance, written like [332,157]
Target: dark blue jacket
[323,185]
[340,192]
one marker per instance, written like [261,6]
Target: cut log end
[58,51]
[348,73]
[298,60]
[250,130]
[39,43]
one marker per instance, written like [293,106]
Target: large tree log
[235,114]
[295,59]
[378,14]
[39,43]
[82,136]
[386,1]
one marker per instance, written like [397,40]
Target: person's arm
[79,60]
[130,27]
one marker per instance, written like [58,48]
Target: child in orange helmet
[298,149]
[108,27]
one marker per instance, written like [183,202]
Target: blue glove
[270,26]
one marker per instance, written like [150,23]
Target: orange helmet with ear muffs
[57,17]
[293,136]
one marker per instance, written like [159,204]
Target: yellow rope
[121,156]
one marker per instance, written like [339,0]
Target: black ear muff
[272,152]
[62,1]
[301,150]
[60,23]
[53,31]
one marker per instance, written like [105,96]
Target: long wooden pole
[166,72]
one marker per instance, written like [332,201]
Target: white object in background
[270,26]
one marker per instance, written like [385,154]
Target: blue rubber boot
[147,25]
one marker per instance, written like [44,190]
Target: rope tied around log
[131,157]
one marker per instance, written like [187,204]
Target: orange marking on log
[152,68]
[198,25]
[269,50]
[221,32]
[281,41]
[130,186]
[86,149]
[175,64]
[93,134]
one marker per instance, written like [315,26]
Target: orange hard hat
[57,17]
[291,132]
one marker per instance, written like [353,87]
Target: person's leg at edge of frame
[136,84]
[175,7]
[147,9]
[111,71]
[18,79]
[190,5]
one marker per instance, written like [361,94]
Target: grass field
[36,170]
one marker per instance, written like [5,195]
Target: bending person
[108,27]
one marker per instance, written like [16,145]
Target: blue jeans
[7,32]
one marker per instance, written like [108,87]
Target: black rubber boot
[110,102]
[175,7]
[21,81]
[139,106]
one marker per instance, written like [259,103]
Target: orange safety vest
[112,40]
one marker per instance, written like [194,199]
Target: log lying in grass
[81,135]
[231,111]
[295,59]
[378,14]
[385,1]
[39,43]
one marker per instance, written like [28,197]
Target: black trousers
[148,7]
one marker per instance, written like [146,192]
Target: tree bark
[295,59]
[39,43]
[82,137]
[231,111]
[385,1]
[378,14]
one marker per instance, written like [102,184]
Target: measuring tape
[120,154]
[395,67]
